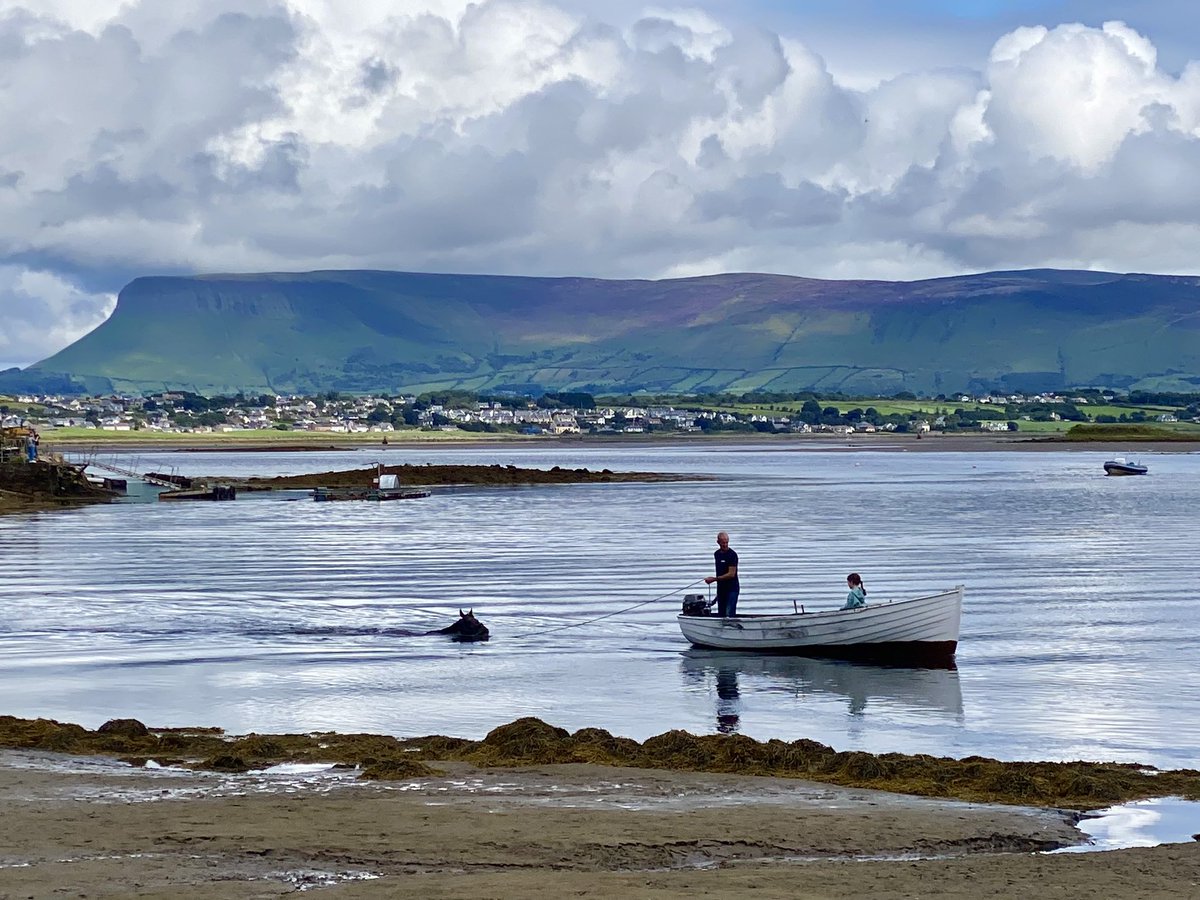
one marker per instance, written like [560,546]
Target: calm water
[276,613]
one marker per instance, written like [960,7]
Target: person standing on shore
[728,586]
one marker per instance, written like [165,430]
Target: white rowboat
[925,628]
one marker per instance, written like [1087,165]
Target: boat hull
[925,628]
[1113,468]
[374,495]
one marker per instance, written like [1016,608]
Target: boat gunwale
[957,590]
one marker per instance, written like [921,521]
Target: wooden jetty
[216,492]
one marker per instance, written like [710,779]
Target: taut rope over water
[609,615]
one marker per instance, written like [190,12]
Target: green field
[1102,410]
[1044,427]
[932,408]
[884,407]
[84,436]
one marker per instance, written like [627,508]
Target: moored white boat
[922,628]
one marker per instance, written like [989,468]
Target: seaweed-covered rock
[42,734]
[263,747]
[525,741]
[859,767]
[438,746]
[1092,789]
[130,728]
[595,745]
[794,758]
[397,769]
[736,753]
[1013,781]
[675,749]
[225,762]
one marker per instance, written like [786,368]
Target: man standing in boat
[726,578]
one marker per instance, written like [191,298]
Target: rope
[607,615]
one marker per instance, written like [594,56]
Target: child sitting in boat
[858,593]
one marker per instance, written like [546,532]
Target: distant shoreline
[935,441]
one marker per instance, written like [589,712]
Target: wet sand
[85,827]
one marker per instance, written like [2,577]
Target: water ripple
[276,614]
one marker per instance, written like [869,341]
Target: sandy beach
[87,827]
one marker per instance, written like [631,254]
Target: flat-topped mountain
[398,331]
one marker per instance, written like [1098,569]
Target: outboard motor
[695,605]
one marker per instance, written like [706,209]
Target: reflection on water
[1143,823]
[727,700]
[275,614]
[861,685]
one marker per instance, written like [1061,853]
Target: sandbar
[526,812]
[90,827]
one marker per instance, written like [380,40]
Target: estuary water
[274,613]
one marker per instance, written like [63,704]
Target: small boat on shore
[1122,466]
[383,488]
[922,629]
[215,493]
[373,494]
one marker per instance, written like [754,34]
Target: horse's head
[470,628]
[467,628]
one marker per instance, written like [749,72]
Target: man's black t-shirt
[725,560]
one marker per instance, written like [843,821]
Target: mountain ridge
[376,330]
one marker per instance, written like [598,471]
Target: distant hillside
[391,331]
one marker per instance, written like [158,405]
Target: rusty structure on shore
[28,476]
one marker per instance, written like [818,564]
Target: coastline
[11,502]
[91,827]
[1079,785]
[936,442]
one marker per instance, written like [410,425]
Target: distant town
[180,412]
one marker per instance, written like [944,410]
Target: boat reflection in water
[729,701]
[736,675]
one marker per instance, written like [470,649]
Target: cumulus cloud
[42,313]
[520,136]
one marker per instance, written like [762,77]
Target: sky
[848,139]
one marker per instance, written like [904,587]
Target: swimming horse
[467,628]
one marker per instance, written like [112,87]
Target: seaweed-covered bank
[46,484]
[409,475]
[446,817]
[530,741]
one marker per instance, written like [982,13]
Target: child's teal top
[856,598]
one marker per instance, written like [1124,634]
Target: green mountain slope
[392,331]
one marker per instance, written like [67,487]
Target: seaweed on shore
[46,484]
[1127,432]
[530,741]
[432,475]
